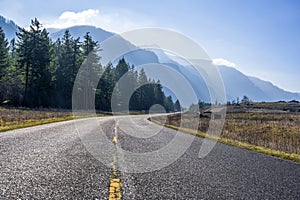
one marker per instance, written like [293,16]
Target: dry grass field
[273,126]
[13,118]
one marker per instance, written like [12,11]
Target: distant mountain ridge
[9,27]
[238,84]
[235,82]
[79,31]
[272,92]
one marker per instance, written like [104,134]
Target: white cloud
[79,17]
[222,61]
[113,21]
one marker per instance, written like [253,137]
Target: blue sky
[259,38]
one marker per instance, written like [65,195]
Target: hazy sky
[259,38]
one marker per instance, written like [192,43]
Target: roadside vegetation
[271,128]
[14,118]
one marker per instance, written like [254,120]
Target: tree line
[38,72]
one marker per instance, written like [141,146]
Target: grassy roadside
[16,118]
[30,123]
[236,143]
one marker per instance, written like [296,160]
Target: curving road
[61,161]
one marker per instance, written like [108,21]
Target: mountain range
[236,83]
[9,28]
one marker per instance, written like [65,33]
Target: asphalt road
[65,161]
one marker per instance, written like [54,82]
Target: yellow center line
[115,184]
[115,139]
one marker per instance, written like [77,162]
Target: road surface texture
[54,162]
